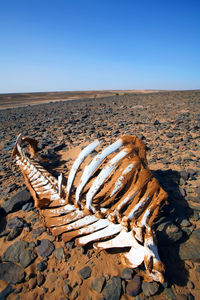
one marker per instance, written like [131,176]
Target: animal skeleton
[114,204]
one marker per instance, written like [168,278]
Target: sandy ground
[76,123]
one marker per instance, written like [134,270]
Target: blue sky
[61,45]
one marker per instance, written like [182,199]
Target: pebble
[11,272]
[45,248]
[66,288]
[127,274]
[85,272]
[133,287]
[150,288]
[17,201]
[113,289]
[15,223]
[28,206]
[41,266]
[59,253]
[168,233]
[6,292]
[37,232]
[20,252]
[40,279]
[190,285]
[15,232]
[98,283]
[190,249]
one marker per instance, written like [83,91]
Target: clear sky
[57,45]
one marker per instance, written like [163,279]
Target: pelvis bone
[111,201]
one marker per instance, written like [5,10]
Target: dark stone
[85,272]
[59,252]
[6,292]
[20,252]
[37,232]
[113,289]
[169,294]
[4,233]
[184,174]
[169,134]
[42,266]
[17,201]
[40,279]
[150,288]
[156,122]
[15,223]
[98,283]
[168,233]
[59,147]
[66,288]
[133,287]
[190,249]
[127,274]
[14,233]
[11,272]
[45,248]
[28,206]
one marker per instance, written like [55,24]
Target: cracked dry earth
[35,265]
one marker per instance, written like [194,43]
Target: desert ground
[168,123]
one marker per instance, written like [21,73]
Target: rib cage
[114,203]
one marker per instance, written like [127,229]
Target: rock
[168,233]
[17,201]
[11,272]
[66,288]
[32,283]
[40,279]
[59,252]
[156,122]
[97,284]
[41,266]
[6,292]
[113,288]
[169,134]
[85,272]
[190,249]
[190,285]
[28,206]
[45,248]
[150,288]
[15,223]
[127,274]
[134,286]
[20,252]
[14,233]
[169,294]
[184,174]
[37,232]
[4,233]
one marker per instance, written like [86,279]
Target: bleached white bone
[123,239]
[119,182]
[103,175]
[76,225]
[60,180]
[84,153]
[89,170]
[66,219]
[110,230]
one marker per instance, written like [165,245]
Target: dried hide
[113,203]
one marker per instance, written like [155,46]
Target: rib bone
[119,204]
